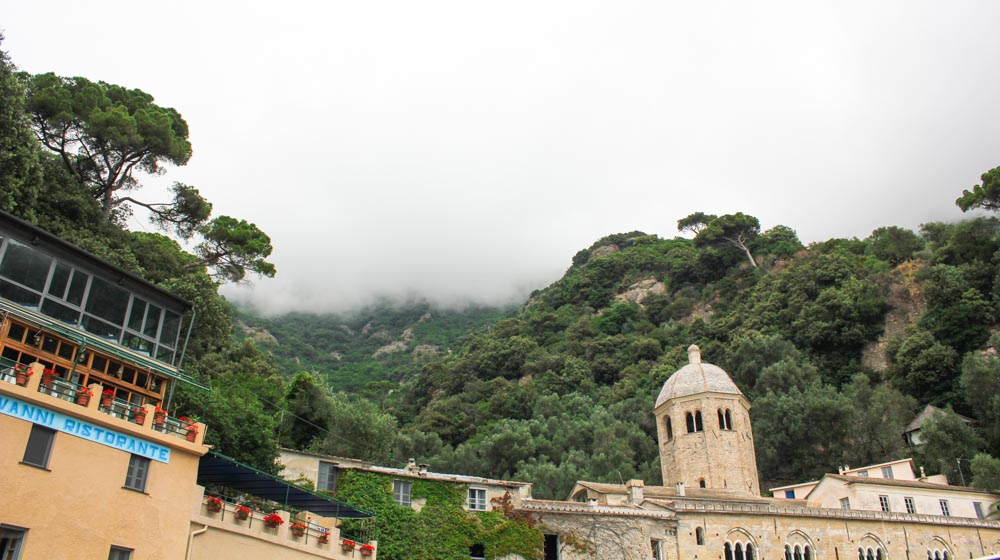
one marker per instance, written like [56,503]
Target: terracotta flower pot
[21,378]
[191,435]
[214,507]
[159,418]
[140,418]
[346,547]
[241,514]
[47,379]
[106,402]
[298,531]
[83,399]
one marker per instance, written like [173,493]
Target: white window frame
[887,473]
[845,503]
[945,508]
[477,499]
[883,502]
[980,512]
[120,553]
[402,492]
[911,506]
[326,483]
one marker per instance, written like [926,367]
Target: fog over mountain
[462,151]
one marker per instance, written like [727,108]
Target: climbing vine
[442,529]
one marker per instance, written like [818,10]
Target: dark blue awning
[216,468]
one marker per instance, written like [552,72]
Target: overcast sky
[465,150]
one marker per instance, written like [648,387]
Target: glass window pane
[137,343]
[77,287]
[19,295]
[171,326]
[60,278]
[135,317]
[152,322]
[61,312]
[100,328]
[165,355]
[107,301]
[135,477]
[25,265]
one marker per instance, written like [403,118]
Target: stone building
[711,507]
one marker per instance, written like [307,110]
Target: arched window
[944,555]
[798,553]
[809,553]
[750,552]
[788,553]
[729,551]
[729,420]
[871,553]
[878,554]
[739,552]
[699,535]
[698,426]
[861,553]
[670,430]
[690,422]
[722,420]
[701,483]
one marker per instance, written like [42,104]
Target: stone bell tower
[703,424]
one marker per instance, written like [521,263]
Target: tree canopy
[985,196]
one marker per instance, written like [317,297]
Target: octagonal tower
[703,424]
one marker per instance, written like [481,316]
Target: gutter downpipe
[187,553]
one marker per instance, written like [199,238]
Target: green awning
[216,468]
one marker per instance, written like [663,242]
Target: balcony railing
[66,390]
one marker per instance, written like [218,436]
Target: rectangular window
[911,507]
[477,552]
[863,474]
[138,472]
[477,499]
[401,492]
[790,494]
[979,509]
[886,472]
[11,542]
[883,501]
[120,553]
[657,547]
[945,510]
[39,446]
[551,547]
[845,503]
[327,477]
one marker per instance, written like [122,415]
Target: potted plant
[298,528]
[21,374]
[139,415]
[324,537]
[83,395]
[347,545]
[107,396]
[48,374]
[192,430]
[213,504]
[242,512]
[367,549]
[159,415]
[272,520]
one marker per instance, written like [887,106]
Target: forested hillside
[837,345]
[369,350]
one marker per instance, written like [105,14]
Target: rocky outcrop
[642,289]
[604,250]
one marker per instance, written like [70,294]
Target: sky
[462,151]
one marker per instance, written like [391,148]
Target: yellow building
[93,466]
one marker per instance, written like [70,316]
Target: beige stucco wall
[220,535]
[77,507]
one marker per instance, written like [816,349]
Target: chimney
[680,489]
[840,469]
[411,465]
[423,469]
[635,489]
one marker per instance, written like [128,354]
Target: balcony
[35,381]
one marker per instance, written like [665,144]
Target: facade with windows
[711,507]
[93,466]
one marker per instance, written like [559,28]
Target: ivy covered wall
[442,529]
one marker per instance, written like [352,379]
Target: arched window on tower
[701,483]
[690,422]
[722,420]
[670,430]
[729,420]
[729,551]
[698,426]
[699,535]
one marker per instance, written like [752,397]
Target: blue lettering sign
[82,429]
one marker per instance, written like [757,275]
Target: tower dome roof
[697,377]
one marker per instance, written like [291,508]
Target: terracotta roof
[697,377]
